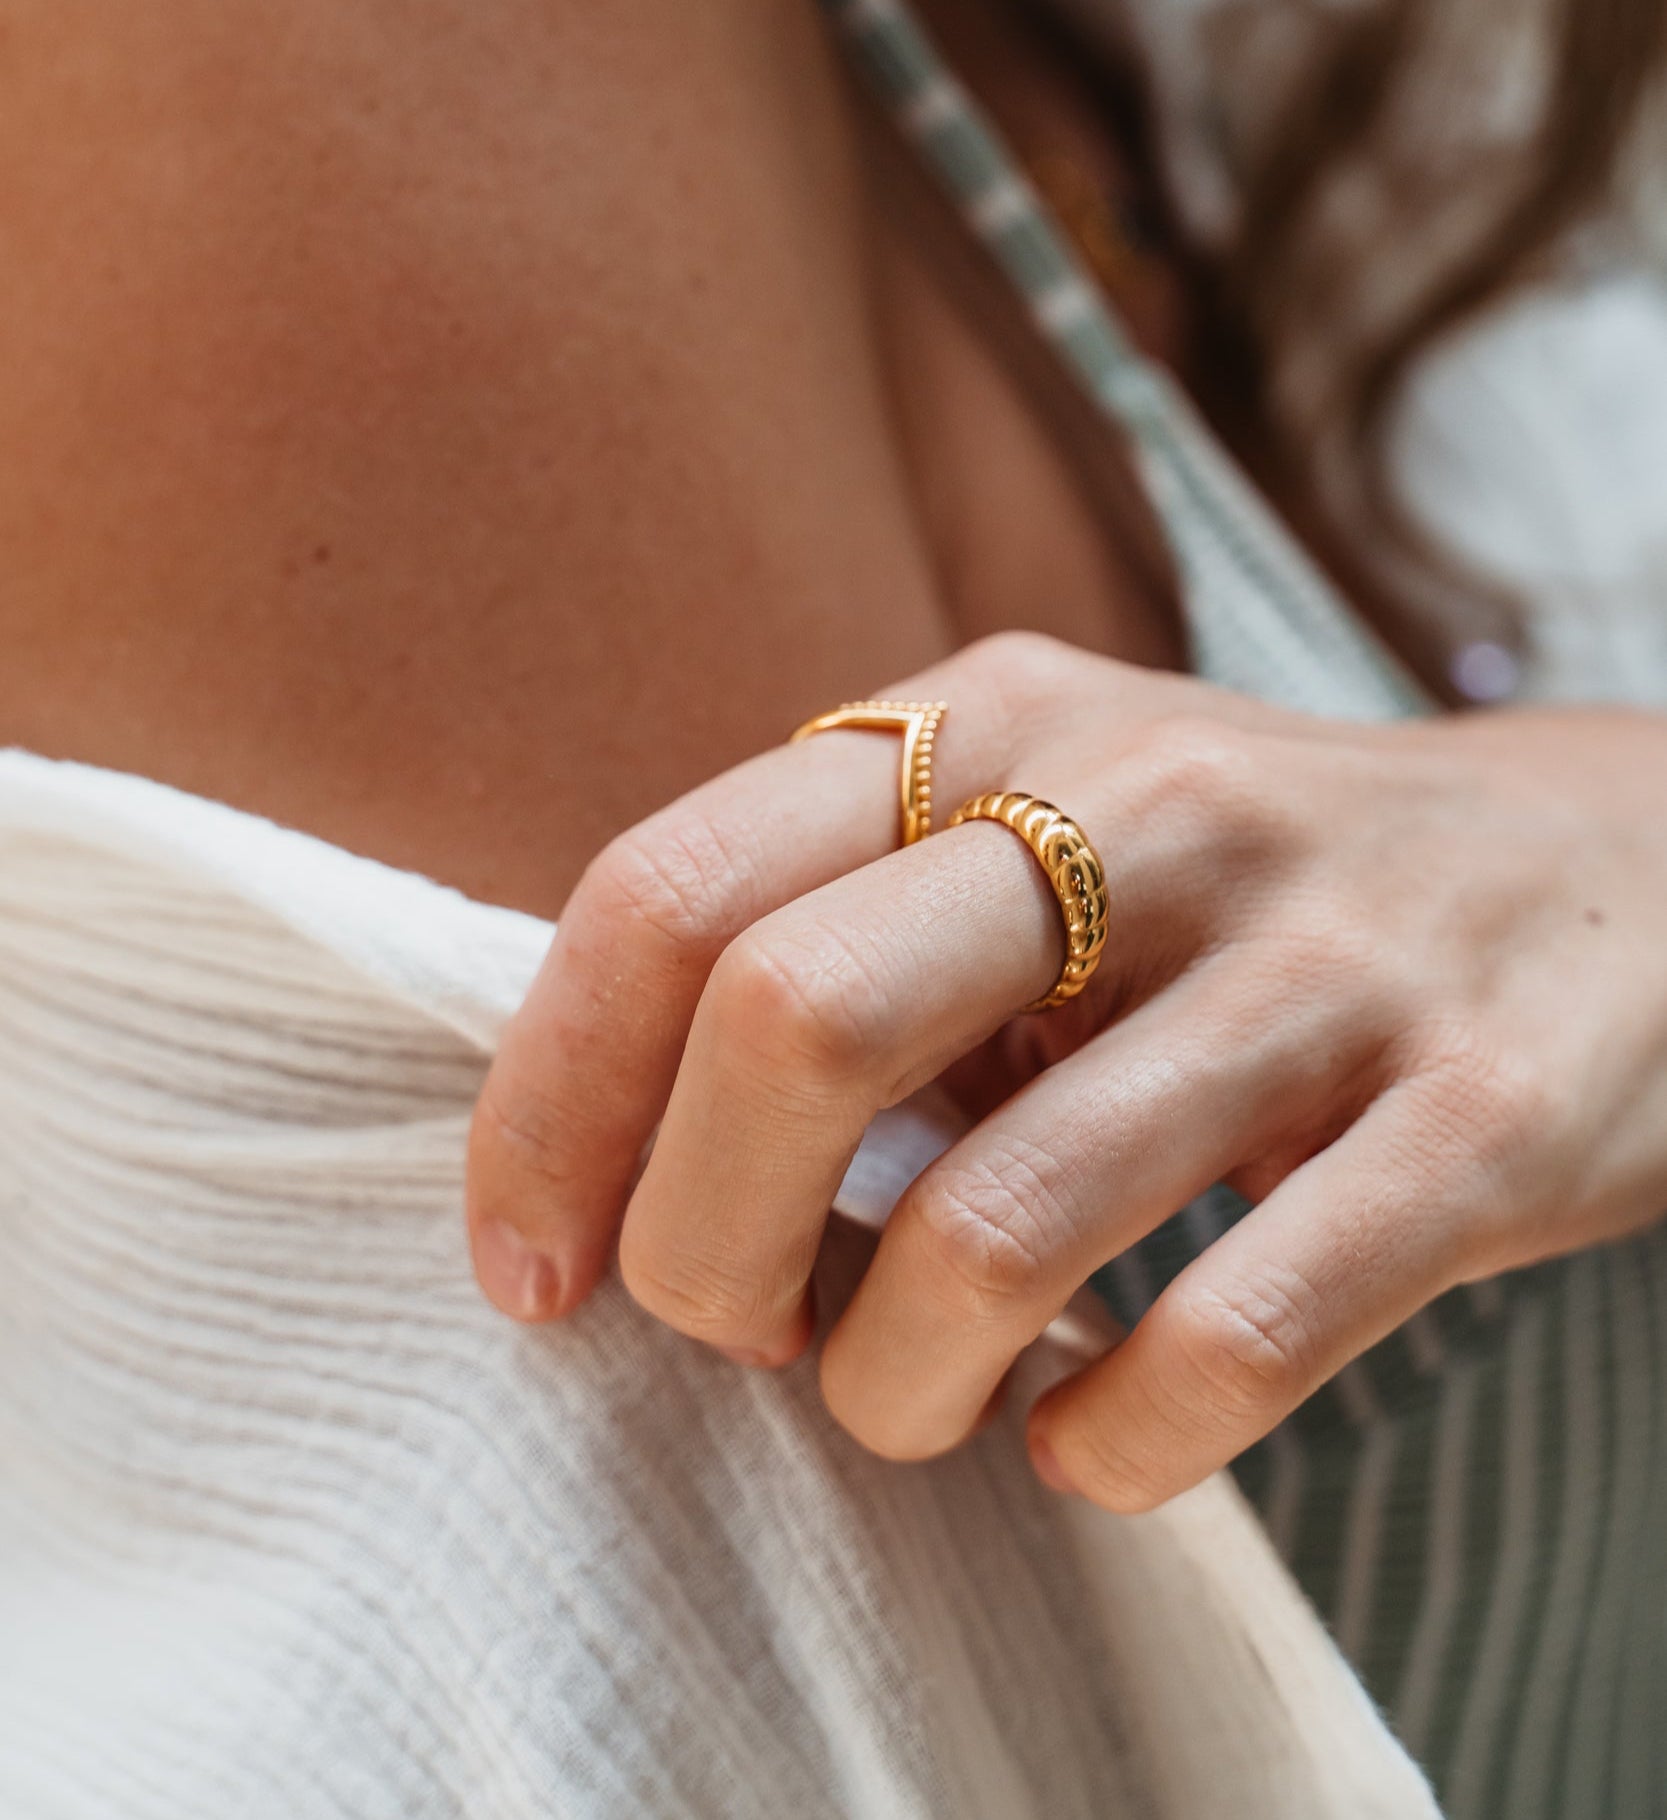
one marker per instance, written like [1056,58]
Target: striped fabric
[1478,1505]
[1253,597]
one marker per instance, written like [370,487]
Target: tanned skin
[459,433]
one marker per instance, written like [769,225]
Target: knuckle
[1022,659]
[1030,683]
[1026,674]
[991,1225]
[1128,1465]
[1206,770]
[1493,1109]
[1249,1346]
[1330,948]
[511,1119]
[1194,753]
[671,878]
[695,1294]
[799,1007]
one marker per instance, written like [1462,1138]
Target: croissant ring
[1074,870]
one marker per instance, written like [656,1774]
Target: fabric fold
[291,1522]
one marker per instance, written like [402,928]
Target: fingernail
[518,1279]
[801,1331]
[759,1360]
[1048,1468]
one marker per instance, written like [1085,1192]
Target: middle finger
[821,1014]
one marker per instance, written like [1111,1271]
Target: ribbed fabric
[290,1525]
[293,1525]
[1478,1505]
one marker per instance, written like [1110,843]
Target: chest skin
[458,442]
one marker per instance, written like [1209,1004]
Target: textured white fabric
[292,1525]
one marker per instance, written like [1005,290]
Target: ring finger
[992,1240]
[813,1020]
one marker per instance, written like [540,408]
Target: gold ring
[918,722]
[1074,871]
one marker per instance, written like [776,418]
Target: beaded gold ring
[918,723]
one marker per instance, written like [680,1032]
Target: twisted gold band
[1074,871]
[918,722]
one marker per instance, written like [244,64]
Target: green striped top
[1476,1505]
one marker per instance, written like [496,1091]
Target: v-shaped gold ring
[918,722]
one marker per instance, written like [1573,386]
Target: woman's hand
[1404,987]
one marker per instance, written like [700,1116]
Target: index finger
[586,1066]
